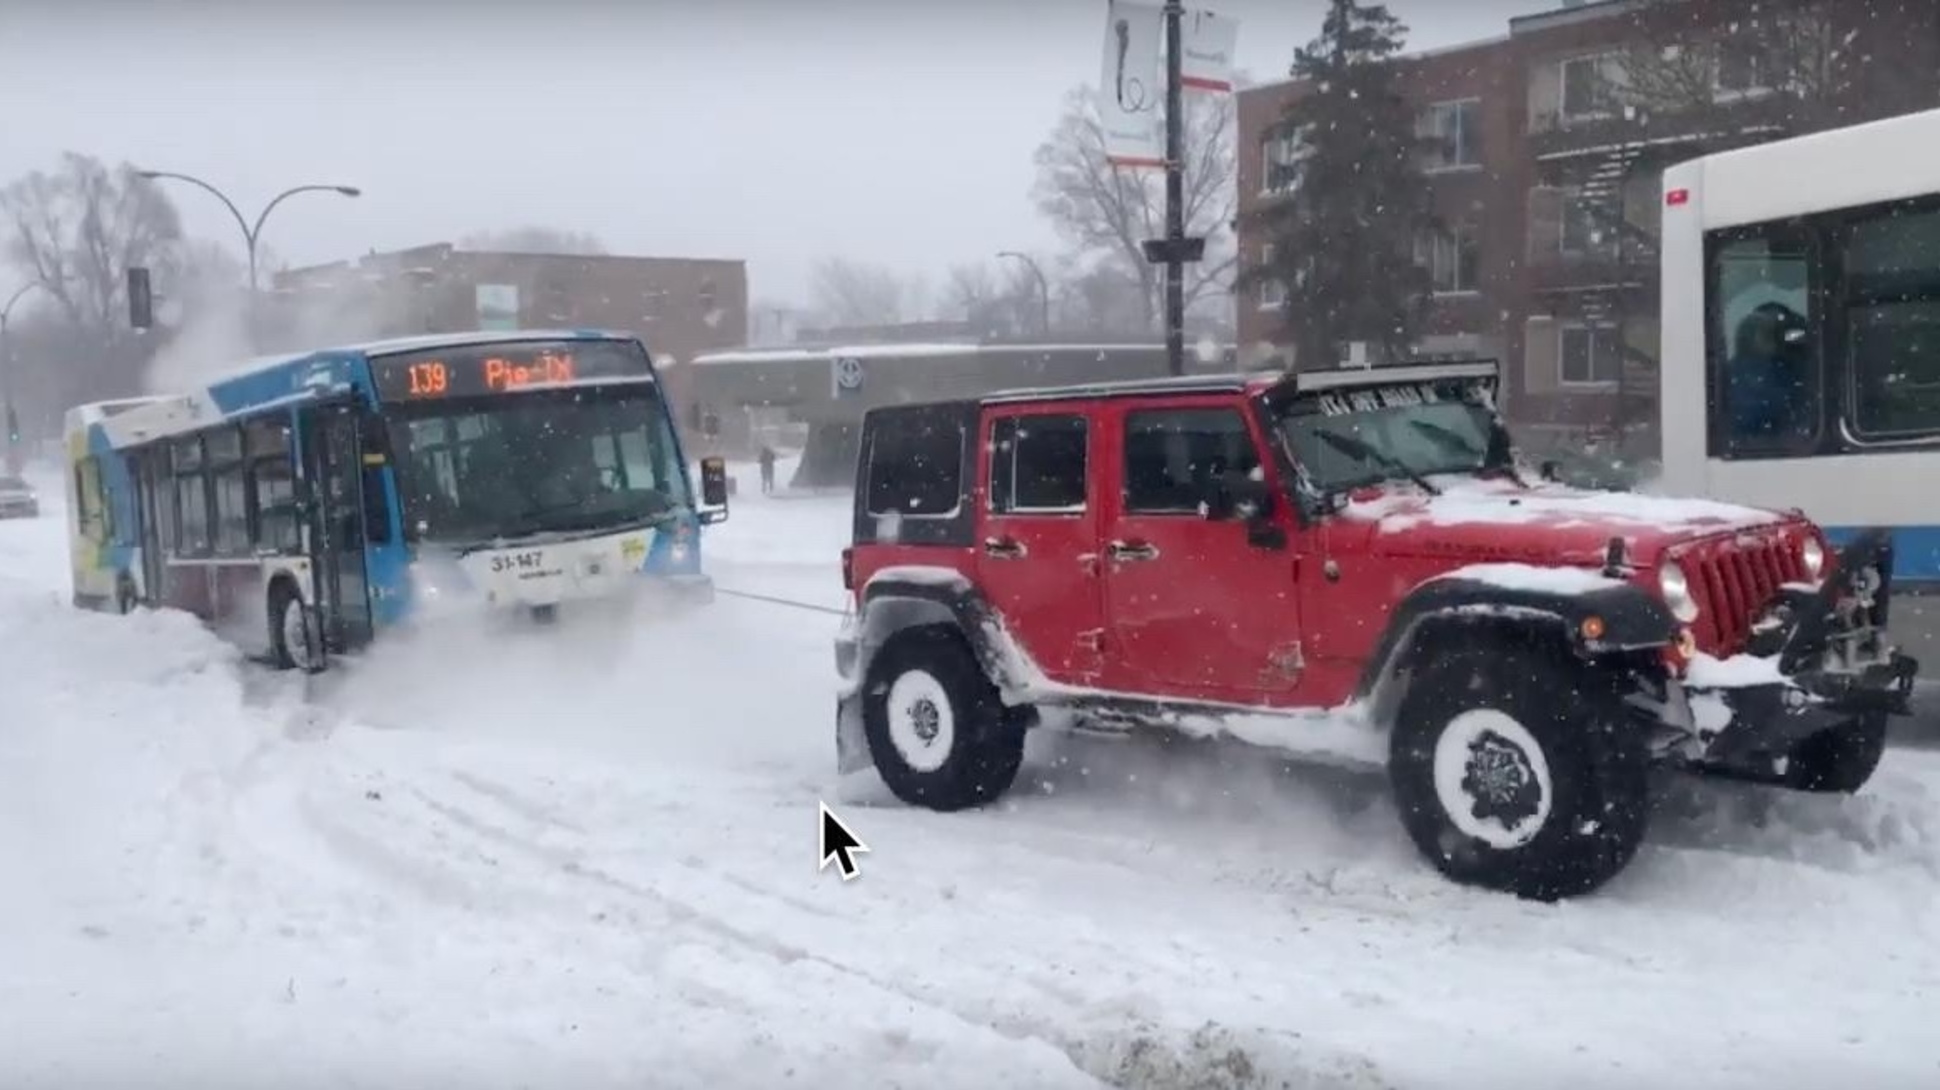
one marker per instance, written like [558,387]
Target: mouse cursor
[838,844]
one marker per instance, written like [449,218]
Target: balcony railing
[1555,135]
[1553,271]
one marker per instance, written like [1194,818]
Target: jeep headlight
[1677,592]
[1813,554]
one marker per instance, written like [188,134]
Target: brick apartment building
[681,307]
[1547,182]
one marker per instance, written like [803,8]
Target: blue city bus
[303,504]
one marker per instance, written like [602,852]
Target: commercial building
[1551,141]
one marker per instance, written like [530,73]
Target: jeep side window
[1173,456]
[915,467]
[1038,464]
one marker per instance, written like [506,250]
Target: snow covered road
[588,859]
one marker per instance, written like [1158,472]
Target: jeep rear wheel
[937,731]
[1514,770]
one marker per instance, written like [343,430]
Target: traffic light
[141,299]
[13,426]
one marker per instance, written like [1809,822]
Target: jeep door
[1037,551]
[1197,608]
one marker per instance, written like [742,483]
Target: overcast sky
[897,131]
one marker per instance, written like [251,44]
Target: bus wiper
[1355,447]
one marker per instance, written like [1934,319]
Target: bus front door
[333,462]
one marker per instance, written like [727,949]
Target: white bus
[1801,336]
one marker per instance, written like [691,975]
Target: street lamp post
[12,420]
[1043,289]
[252,231]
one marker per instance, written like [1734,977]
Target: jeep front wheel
[1515,771]
[937,730]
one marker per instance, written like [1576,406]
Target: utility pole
[252,232]
[10,413]
[1175,249]
[1043,290]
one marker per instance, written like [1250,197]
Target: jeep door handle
[1133,550]
[1003,548]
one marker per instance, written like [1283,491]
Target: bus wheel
[292,636]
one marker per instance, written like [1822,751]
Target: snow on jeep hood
[1501,519]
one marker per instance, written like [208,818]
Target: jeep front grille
[1733,578]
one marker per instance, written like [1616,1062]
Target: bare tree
[1776,66]
[78,229]
[855,293]
[1006,300]
[1107,212]
[535,240]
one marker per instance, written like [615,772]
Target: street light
[1043,289]
[12,420]
[252,232]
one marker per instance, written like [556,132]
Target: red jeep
[1361,544]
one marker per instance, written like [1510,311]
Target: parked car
[1361,545]
[18,499]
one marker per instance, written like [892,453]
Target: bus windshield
[568,461]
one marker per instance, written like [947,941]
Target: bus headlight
[1813,554]
[1677,592]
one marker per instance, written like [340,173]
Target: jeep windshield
[1351,440]
[568,462]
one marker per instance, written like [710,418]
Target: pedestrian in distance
[767,458]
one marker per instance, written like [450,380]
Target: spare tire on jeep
[1514,770]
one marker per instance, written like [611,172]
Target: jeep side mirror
[714,489]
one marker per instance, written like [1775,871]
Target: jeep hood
[1554,524]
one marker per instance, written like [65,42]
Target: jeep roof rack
[1227,383]
[1387,374]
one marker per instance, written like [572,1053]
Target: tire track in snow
[1145,1054]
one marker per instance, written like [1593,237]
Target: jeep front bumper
[1763,720]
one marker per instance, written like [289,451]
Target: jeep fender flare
[1633,620]
[892,606]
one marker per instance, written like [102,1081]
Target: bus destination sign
[503,368]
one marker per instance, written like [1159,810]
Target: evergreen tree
[1343,236]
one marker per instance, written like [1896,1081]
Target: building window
[1588,85]
[1453,257]
[1456,130]
[1273,290]
[1589,355]
[1281,154]
[1743,66]
[1583,230]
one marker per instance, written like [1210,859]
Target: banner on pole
[1131,88]
[1208,45]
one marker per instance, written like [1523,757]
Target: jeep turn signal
[1591,628]
[1680,651]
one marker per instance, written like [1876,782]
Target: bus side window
[91,510]
[1765,352]
[272,487]
[1890,294]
